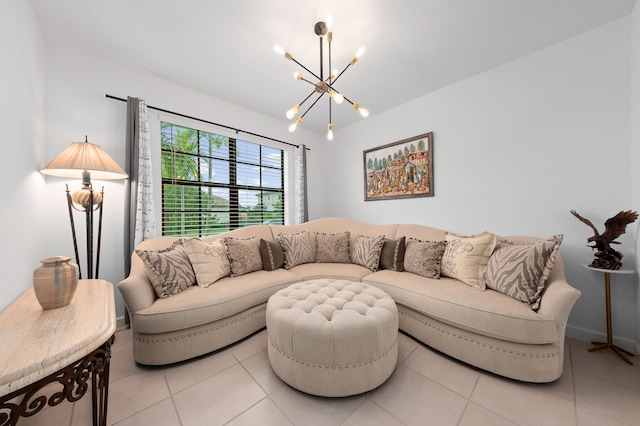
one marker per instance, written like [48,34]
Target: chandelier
[321,85]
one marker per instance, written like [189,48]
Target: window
[213,183]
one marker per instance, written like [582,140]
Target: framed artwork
[400,169]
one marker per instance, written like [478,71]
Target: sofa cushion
[339,271]
[332,248]
[169,269]
[244,255]
[392,254]
[272,254]
[488,313]
[196,305]
[521,270]
[297,249]
[366,251]
[424,257]
[466,257]
[208,259]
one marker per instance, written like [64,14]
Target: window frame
[287,160]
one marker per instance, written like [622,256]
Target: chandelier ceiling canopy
[321,85]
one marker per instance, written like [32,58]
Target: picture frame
[402,169]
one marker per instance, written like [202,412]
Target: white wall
[635,142]
[516,148]
[75,105]
[23,224]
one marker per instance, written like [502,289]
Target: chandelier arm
[305,68]
[311,106]
[308,81]
[305,99]
[330,70]
[341,72]
[321,57]
[347,99]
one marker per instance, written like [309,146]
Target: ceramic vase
[55,282]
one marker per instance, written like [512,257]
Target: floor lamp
[85,160]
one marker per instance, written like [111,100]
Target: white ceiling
[225,48]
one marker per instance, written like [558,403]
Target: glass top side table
[622,353]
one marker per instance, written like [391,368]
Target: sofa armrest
[137,291]
[558,297]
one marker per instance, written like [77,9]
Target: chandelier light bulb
[297,75]
[280,51]
[363,112]
[330,132]
[293,111]
[338,97]
[294,125]
[358,55]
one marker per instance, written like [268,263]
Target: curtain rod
[210,122]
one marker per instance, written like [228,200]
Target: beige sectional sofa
[486,329]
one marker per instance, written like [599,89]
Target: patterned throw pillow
[297,249]
[169,270]
[521,270]
[332,248]
[466,257]
[366,251]
[272,255]
[424,257]
[244,255]
[209,260]
[392,255]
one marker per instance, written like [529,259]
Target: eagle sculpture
[606,257]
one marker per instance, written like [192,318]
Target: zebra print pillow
[366,251]
[169,270]
[297,249]
[521,270]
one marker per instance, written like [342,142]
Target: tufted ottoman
[332,337]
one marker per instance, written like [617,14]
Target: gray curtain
[300,202]
[140,222]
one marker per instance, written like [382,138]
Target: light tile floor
[236,386]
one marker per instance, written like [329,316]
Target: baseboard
[120,324]
[586,335]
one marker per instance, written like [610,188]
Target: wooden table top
[35,343]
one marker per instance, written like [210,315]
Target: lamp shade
[82,157]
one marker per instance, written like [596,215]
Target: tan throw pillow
[244,255]
[392,255]
[169,270]
[272,255]
[209,260]
[424,257]
[366,251]
[521,270]
[466,257]
[297,249]
[332,248]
